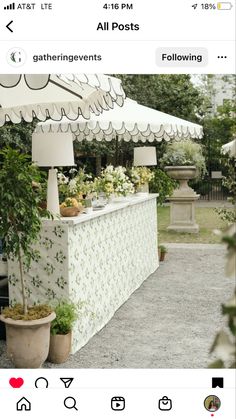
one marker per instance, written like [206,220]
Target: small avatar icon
[212,403]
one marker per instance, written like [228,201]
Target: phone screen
[117,209]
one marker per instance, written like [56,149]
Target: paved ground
[169,322]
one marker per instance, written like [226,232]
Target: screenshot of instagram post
[118,209]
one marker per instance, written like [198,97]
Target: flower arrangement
[117,181]
[113,180]
[102,185]
[141,175]
[80,185]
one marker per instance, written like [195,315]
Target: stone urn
[182,202]
[183,174]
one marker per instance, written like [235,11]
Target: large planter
[28,341]
[182,202]
[60,347]
[183,174]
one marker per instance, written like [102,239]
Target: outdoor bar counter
[97,260]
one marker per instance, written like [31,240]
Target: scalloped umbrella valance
[229,148]
[132,122]
[42,96]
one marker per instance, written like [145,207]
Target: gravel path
[169,322]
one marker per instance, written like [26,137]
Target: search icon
[70,403]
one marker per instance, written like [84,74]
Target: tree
[174,94]
[219,123]
[17,135]
[20,212]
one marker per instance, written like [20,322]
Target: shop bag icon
[165,403]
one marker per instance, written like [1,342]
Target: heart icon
[16,382]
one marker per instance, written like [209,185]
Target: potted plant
[27,328]
[183,160]
[70,208]
[61,328]
[162,250]
[141,176]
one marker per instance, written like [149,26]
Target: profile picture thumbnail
[212,403]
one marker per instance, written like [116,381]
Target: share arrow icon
[67,381]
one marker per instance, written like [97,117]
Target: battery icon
[225,5]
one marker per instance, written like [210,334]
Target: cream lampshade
[51,150]
[145,156]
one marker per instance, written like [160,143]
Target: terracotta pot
[162,256]
[28,341]
[60,347]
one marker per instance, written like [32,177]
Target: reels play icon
[118,403]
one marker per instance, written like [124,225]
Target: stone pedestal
[182,202]
[182,214]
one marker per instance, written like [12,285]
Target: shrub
[162,184]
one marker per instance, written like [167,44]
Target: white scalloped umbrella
[230,148]
[131,122]
[24,97]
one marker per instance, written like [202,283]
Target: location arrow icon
[8,26]
[67,381]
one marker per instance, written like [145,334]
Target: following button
[181,57]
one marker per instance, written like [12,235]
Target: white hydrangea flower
[73,186]
[62,179]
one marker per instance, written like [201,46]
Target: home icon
[23,404]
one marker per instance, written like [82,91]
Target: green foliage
[162,184]
[229,182]
[66,315]
[219,125]
[174,94]
[162,248]
[17,135]
[185,153]
[20,214]
[224,345]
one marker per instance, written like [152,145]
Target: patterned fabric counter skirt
[98,263]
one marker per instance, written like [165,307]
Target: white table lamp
[145,156]
[52,150]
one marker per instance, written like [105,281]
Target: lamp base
[52,193]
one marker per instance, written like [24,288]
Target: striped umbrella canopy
[131,122]
[43,96]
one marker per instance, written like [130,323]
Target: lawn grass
[207,218]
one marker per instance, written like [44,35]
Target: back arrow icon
[8,26]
